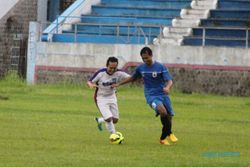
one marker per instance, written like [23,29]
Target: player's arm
[91,84]
[95,79]
[128,79]
[168,86]
[124,81]
[168,80]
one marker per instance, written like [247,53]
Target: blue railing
[60,20]
[219,36]
[123,32]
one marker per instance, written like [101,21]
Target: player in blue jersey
[157,85]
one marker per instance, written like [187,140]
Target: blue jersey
[154,77]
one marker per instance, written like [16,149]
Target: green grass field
[53,126]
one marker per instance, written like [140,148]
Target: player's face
[112,67]
[146,58]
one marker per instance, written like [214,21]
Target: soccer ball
[116,138]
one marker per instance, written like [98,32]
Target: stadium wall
[14,35]
[218,70]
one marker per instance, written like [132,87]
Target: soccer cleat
[99,125]
[157,114]
[172,138]
[164,142]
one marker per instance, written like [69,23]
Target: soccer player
[105,95]
[157,85]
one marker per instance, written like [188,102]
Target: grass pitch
[53,126]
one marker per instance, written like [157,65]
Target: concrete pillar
[34,29]
[42,12]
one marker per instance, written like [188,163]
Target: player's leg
[168,106]
[107,116]
[159,107]
[115,112]
[99,122]
[110,125]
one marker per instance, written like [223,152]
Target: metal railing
[204,36]
[74,28]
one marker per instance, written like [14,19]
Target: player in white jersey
[105,94]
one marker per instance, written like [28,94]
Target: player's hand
[92,85]
[166,90]
[114,85]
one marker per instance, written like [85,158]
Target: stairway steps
[126,20]
[135,11]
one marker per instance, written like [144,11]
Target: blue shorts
[155,101]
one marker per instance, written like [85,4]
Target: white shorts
[108,109]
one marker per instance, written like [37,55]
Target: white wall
[6,5]
[84,55]
[94,55]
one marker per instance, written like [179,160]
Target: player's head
[111,65]
[146,55]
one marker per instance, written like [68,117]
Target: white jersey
[104,82]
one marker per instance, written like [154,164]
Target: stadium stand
[123,21]
[227,25]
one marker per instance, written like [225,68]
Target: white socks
[110,127]
[100,120]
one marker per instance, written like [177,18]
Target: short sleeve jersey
[104,82]
[154,78]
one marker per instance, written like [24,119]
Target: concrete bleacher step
[134,11]
[204,4]
[176,31]
[171,40]
[194,13]
[187,22]
[126,20]
[174,35]
[225,26]
[189,17]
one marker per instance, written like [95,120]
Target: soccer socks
[100,120]
[110,127]
[166,126]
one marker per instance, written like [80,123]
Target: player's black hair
[111,59]
[146,50]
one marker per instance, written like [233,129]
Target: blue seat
[225,22]
[220,33]
[134,11]
[225,26]
[126,20]
[175,4]
[114,30]
[197,41]
[135,18]
[232,14]
[106,39]
[234,4]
